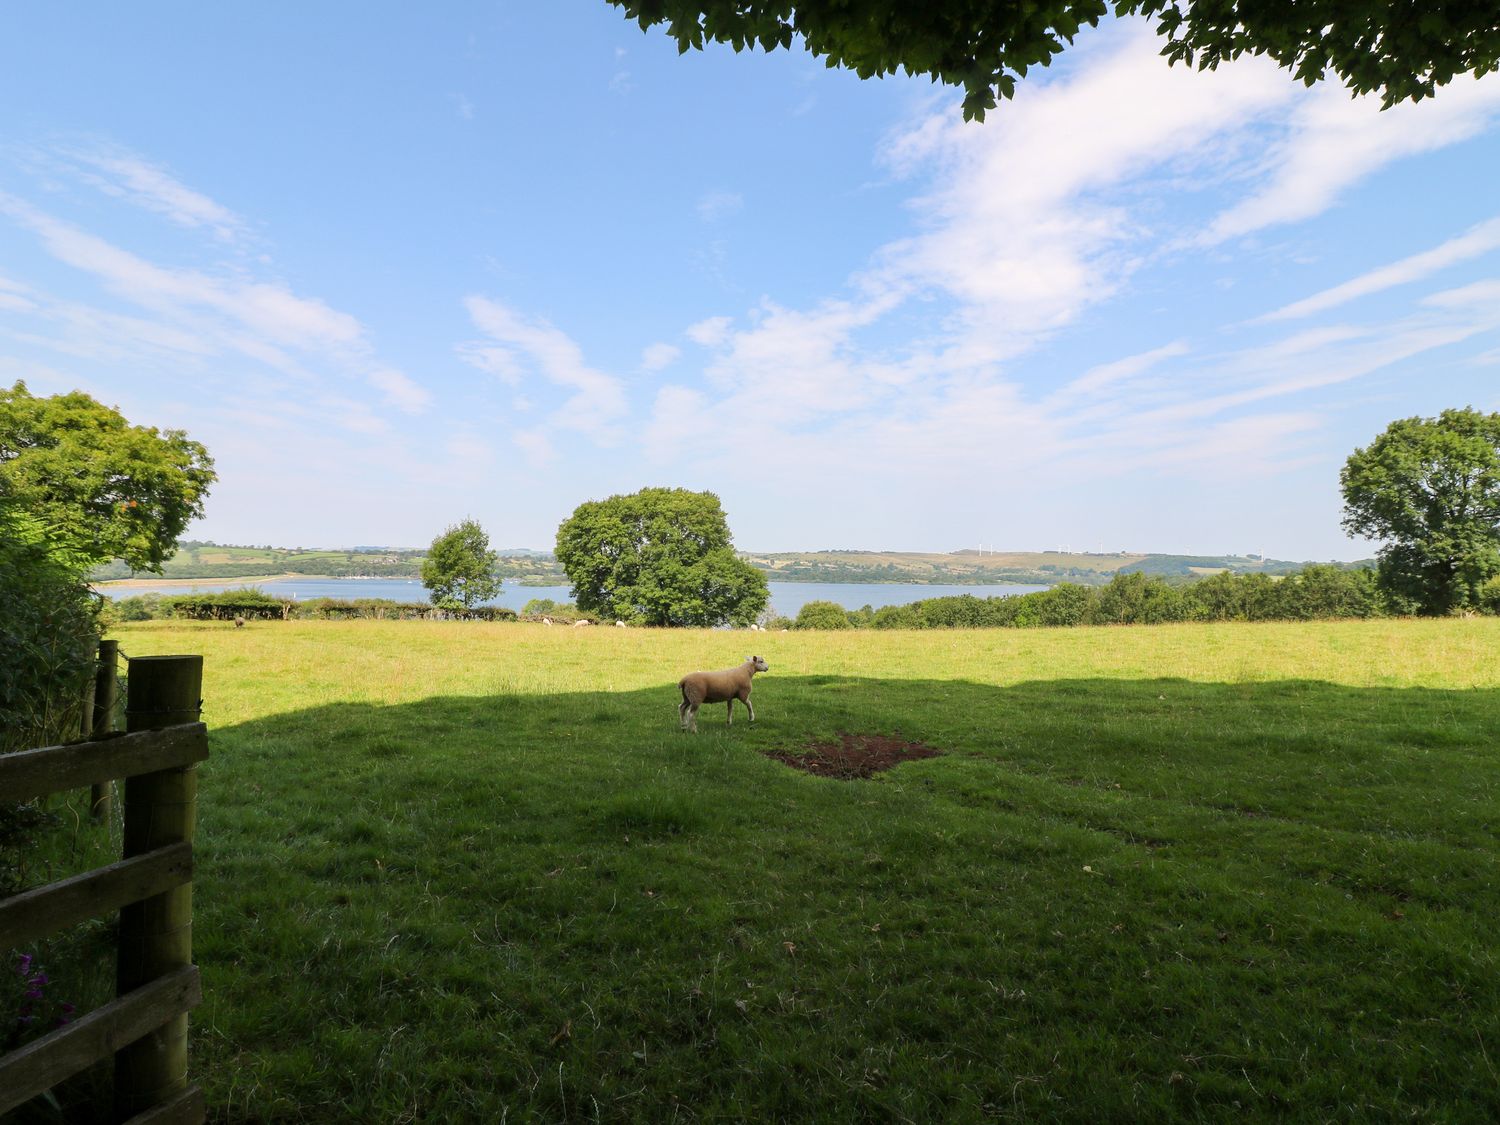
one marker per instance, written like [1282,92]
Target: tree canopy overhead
[1402,50]
[661,556]
[102,488]
[1430,487]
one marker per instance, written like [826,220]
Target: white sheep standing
[724,686]
[546,621]
[619,624]
[579,624]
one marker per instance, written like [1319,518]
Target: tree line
[1319,592]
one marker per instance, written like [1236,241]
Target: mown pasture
[473,872]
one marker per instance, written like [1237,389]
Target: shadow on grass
[1108,899]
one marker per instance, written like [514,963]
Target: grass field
[473,872]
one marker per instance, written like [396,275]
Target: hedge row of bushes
[1318,592]
[253,605]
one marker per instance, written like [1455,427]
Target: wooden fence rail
[145,1026]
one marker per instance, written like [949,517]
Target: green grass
[473,872]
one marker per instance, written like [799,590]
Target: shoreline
[136,583]
[290,576]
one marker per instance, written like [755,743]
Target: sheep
[579,624]
[724,686]
[619,624]
[239,622]
[547,621]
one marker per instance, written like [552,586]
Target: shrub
[48,634]
[1005,611]
[962,612]
[898,617]
[139,607]
[1489,596]
[1134,599]
[563,613]
[821,615]
[226,606]
[1328,591]
[1223,597]
[1064,604]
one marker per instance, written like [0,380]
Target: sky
[494,260]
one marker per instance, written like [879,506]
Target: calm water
[786,597]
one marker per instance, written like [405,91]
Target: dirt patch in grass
[853,755]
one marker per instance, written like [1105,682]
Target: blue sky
[494,261]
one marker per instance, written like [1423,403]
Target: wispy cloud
[659,356]
[710,332]
[1473,243]
[268,310]
[400,391]
[234,328]
[1025,224]
[715,205]
[1331,141]
[136,180]
[536,447]
[1104,375]
[521,343]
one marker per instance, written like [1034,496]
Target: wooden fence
[145,1026]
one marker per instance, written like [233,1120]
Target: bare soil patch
[853,756]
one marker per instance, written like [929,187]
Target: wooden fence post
[156,935]
[106,687]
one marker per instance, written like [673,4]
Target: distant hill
[974,568]
[526,566]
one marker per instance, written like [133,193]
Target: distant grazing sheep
[581,623]
[619,624]
[723,686]
[239,622]
[546,621]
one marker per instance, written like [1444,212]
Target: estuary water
[786,597]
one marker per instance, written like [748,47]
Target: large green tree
[661,556]
[102,488]
[1403,50]
[459,570]
[1430,487]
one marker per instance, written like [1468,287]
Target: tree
[102,488]
[661,556]
[459,570]
[1405,51]
[1430,487]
